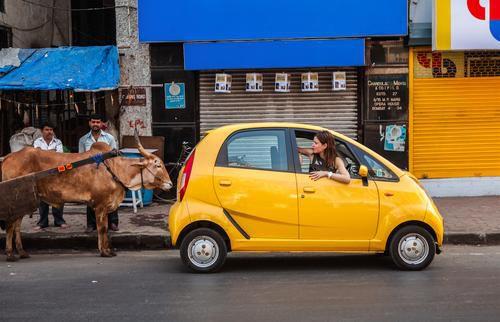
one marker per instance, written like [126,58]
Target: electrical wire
[26,29]
[84,9]
[46,105]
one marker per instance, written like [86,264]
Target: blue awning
[274,54]
[64,68]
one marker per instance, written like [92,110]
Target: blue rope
[98,159]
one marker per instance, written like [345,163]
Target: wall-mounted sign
[466,25]
[223,83]
[387,97]
[133,96]
[395,137]
[175,97]
[282,83]
[310,82]
[389,139]
[254,82]
[339,81]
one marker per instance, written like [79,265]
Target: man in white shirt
[96,134]
[48,142]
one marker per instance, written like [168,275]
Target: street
[461,284]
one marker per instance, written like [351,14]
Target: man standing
[86,141]
[49,143]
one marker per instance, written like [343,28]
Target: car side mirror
[363,171]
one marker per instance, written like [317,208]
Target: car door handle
[225,183]
[309,189]
[388,194]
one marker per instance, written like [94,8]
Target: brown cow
[90,184]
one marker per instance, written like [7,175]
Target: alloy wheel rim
[413,249]
[203,251]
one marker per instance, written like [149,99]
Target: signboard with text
[133,96]
[387,97]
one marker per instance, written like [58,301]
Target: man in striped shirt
[96,134]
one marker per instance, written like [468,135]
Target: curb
[89,241]
[158,242]
[488,239]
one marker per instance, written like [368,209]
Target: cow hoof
[106,255]
[112,253]
[24,255]
[11,258]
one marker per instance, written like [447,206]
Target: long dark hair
[330,151]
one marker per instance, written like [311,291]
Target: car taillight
[185,175]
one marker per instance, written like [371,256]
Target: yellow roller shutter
[456,127]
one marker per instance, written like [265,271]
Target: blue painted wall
[204,20]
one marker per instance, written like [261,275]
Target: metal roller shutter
[456,127]
[334,110]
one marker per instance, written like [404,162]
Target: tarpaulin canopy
[64,68]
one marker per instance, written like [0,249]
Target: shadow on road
[301,262]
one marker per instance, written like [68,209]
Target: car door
[255,183]
[346,215]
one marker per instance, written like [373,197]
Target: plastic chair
[134,200]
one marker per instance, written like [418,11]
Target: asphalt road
[462,284]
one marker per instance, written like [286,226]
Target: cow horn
[141,149]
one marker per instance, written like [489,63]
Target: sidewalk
[470,220]
[145,230]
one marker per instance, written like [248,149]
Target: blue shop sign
[229,20]
[175,97]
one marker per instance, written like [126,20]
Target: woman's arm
[342,175]
[305,151]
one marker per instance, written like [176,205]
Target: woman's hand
[316,175]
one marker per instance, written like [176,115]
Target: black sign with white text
[387,97]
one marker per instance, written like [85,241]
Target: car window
[304,139]
[259,149]
[375,168]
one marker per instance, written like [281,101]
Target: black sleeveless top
[318,164]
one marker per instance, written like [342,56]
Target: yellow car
[245,188]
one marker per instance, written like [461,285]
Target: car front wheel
[203,250]
[412,248]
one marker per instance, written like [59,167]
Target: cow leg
[8,243]
[19,244]
[102,232]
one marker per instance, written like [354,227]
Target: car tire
[203,250]
[412,248]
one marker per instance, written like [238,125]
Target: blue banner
[274,54]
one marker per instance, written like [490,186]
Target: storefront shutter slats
[336,110]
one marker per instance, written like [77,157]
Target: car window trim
[222,156]
[375,178]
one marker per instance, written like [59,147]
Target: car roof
[242,126]
[228,129]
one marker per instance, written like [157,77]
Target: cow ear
[139,164]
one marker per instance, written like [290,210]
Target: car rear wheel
[412,248]
[203,250]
